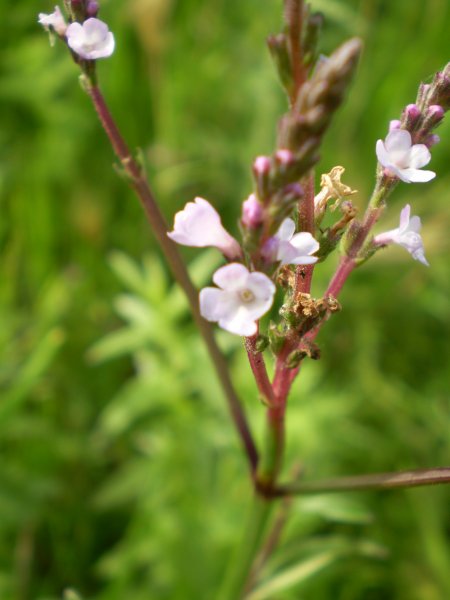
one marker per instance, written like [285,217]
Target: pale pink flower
[403,159]
[55,20]
[240,299]
[406,235]
[199,225]
[291,248]
[90,40]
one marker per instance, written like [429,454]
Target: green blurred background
[120,474]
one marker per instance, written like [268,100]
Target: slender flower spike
[289,247]
[91,40]
[240,299]
[55,20]
[406,235]
[199,225]
[403,159]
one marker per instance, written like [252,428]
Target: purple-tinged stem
[378,481]
[293,14]
[258,366]
[303,274]
[159,226]
[345,267]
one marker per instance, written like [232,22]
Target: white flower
[199,225]
[54,20]
[91,40]
[242,299]
[291,248]
[407,235]
[403,159]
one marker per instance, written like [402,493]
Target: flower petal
[231,277]
[417,176]
[304,260]
[239,324]
[286,230]
[209,303]
[398,140]
[419,156]
[305,243]
[382,154]
[415,224]
[404,217]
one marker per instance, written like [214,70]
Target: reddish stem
[159,226]
[303,274]
[256,360]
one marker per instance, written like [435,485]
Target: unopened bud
[284,157]
[252,212]
[293,190]
[440,92]
[422,94]
[261,172]
[92,8]
[432,140]
[411,116]
[278,48]
[435,113]
[261,166]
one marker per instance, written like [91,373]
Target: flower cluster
[242,296]
[90,39]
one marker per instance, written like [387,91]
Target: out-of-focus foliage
[120,474]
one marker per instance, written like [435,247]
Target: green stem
[254,529]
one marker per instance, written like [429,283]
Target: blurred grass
[121,477]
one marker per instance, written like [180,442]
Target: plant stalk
[254,529]
[140,185]
[378,481]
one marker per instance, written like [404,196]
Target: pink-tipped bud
[394,124]
[252,212]
[261,166]
[293,190]
[284,157]
[92,8]
[411,114]
[435,113]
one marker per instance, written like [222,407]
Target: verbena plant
[263,290]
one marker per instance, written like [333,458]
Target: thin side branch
[159,226]
[379,481]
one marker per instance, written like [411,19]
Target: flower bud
[435,113]
[261,172]
[432,140]
[92,8]
[252,212]
[411,116]
[284,157]
[278,47]
[261,166]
